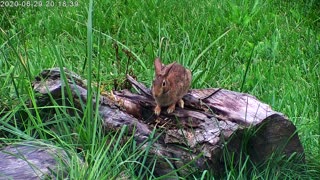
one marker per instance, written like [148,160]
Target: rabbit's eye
[163,83]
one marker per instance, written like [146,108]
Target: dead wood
[30,160]
[213,120]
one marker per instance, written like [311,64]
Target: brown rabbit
[171,83]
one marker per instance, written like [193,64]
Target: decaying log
[213,119]
[30,160]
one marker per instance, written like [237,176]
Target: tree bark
[31,160]
[213,120]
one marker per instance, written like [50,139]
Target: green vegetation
[270,49]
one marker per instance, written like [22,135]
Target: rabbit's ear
[157,66]
[168,68]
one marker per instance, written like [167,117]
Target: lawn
[270,49]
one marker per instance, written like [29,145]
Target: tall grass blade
[247,69]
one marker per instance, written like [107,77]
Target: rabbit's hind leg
[181,103]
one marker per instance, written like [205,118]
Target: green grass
[266,48]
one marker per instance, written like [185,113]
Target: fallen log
[32,160]
[213,120]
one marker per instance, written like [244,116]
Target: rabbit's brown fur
[171,83]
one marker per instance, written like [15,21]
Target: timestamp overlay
[37,3]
